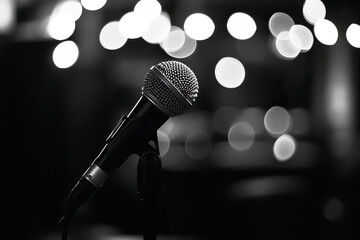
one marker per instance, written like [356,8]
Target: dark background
[55,121]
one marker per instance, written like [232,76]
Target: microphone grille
[171,86]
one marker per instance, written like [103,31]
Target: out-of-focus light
[60,27]
[326,32]
[254,116]
[110,36]
[353,35]
[93,5]
[199,26]
[301,122]
[301,37]
[70,8]
[174,41]
[7,15]
[65,54]
[241,26]
[284,47]
[241,136]
[198,144]
[223,119]
[284,147]
[149,9]
[158,30]
[280,22]
[132,25]
[186,50]
[229,72]
[314,10]
[333,209]
[164,143]
[277,120]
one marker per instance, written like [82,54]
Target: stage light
[158,30]
[353,35]
[60,27]
[198,145]
[164,143]
[7,15]
[241,136]
[186,50]
[229,72]
[241,26]
[301,37]
[149,9]
[70,8]
[277,121]
[199,26]
[110,36]
[284,147]
[65,54]
[174,41]
[314,10]
[93,5]
[284,47]
[326,32]
[280,22]
[132,25]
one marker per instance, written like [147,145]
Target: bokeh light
[158,30]
[133,25]
[164,143]
[7,15]
[70,8]
[229,72]
[241,136]
[199,26]
[186,50]
[301,37]
[300,121]
[241,26]
[314,10]
[93,5]
[65,54]
[198,144]
[333,209]
[110,36]
[326,32]
[223,119]
[284,147]
[353,35]
[280,22]
[284,47]
[148,9]
[60,27]
[174,41]
[277,120]
[254,116]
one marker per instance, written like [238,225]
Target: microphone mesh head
[171,86]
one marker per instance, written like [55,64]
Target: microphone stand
[149,186]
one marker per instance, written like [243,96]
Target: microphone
[169,89]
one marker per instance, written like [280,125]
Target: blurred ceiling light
[326,32]
[280,22]
[93,5]
[70,8]
[198,144]
[284,47]
[314,10]
[241,136]
[353,35]
[241,26]
[174,41]
[199,26]
[65,54]
[7,15]
[149,9]
[60,27]
[164,143]
[186,50]
[158,30]
[110,36]
[284,147]
[301,37]
[277,120]
[133,25]
[229,72]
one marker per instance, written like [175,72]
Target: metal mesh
[173,90]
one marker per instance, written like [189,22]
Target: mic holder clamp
[149,186]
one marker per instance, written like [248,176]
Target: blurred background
[269,149]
